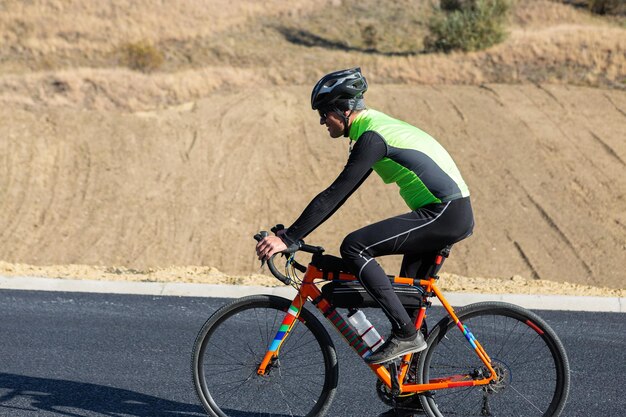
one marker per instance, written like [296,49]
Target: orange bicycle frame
[309,291]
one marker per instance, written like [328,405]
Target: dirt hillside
[132,171]
[189,186]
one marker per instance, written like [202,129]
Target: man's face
[333,122]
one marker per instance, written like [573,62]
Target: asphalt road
[77,354]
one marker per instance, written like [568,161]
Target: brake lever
[259,237]
[277,228]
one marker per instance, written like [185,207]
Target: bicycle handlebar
[298,246]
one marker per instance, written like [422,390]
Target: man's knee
[350,247]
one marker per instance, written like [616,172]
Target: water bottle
[365,329]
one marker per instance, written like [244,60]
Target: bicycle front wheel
[529,358]
[301,382]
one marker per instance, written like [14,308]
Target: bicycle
[287,363]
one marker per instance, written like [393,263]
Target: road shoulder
[538,302]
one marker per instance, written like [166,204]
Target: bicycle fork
[293,312]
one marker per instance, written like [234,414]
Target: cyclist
[429,182]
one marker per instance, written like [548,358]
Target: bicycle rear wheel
[232,344]
[532,366]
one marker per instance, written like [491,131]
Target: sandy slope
[189,186]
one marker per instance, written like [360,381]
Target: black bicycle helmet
[339,87]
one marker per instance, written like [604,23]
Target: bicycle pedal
[396,362]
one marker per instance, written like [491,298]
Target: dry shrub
[451,5]
[602,7]
[467,25]
[612,7]
[369,36]
[140,56]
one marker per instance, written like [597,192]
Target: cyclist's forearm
[319,210]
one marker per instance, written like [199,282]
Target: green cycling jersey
[415,161]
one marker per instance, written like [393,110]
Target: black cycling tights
[416,235]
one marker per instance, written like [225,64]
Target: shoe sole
[396,356]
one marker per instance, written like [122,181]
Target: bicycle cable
[290,270]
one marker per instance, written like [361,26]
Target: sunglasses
[324,113]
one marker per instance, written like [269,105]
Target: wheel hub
[502,380]
[274,363]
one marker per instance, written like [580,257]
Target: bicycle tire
[306,366]
[526,353]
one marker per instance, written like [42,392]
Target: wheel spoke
[527,400]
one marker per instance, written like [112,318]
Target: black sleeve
[369,149]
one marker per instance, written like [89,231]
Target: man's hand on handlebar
[268,246]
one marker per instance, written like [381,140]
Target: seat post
[438,261]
